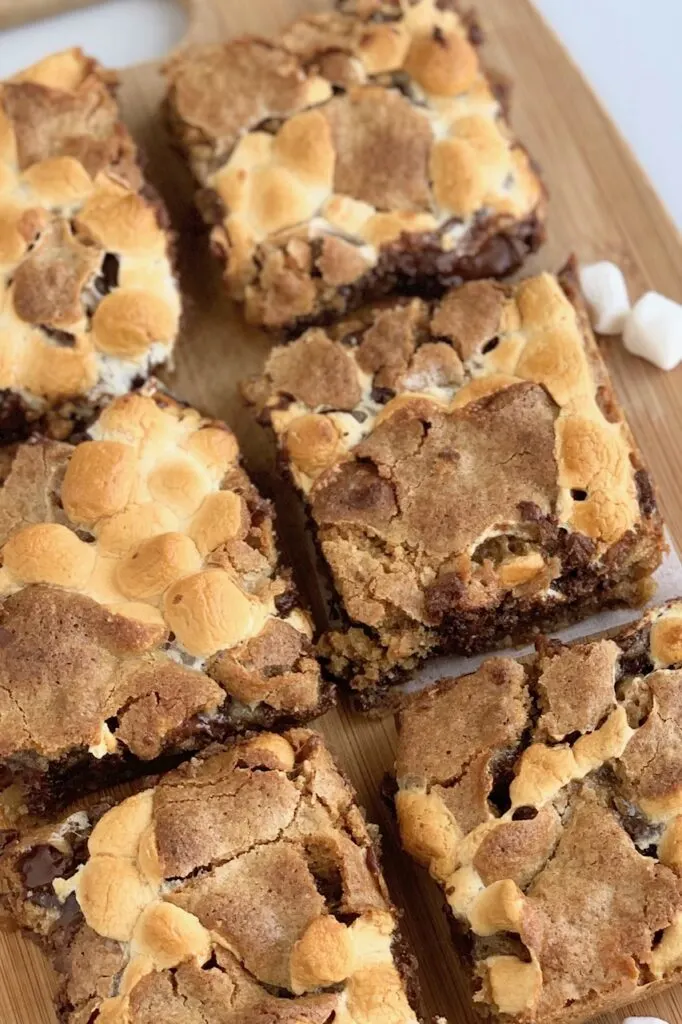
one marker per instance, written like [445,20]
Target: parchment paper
[669,586]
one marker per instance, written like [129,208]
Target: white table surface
[628,50]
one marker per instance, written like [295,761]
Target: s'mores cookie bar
[365,151]
[468,471]
[241,889]
[546,799]
[143,609]
[88,300]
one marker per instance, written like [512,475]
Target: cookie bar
[468,471]
[143,610]
[364,151]
[264,903]
[88,300]
[546,799]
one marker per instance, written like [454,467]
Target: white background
[628,49]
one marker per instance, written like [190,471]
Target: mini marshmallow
[606,294]
[644,1020]
[654,331]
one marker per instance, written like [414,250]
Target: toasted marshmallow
[606,294]
[654,331]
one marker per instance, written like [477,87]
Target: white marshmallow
[606,294]
[654,331]
[644,1020]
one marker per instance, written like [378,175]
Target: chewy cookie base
[30,783]
[488,634]
[544,798]
[369,152]
[265,903]
[89,303]
[145,611]
[469,476]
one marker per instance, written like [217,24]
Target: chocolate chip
[41,865]
[524,814]
[578,494]
[503,775]
[475,33]
[211,963]
[107,279]
[63,338]
[577,550]
[328,879]
[71,911]
[7,836]
[448,225]
[490,346]
[501,88]
[149,193]
[14,417]
[403,82]
[271,125]
[635,659]
[382,395]
[210,206]
[285,603]
[46,898]
[646,496]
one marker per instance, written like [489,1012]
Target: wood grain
[602,206]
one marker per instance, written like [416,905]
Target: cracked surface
[88,300]
[546,801]
[143,610]
[468,470]
[364,150]
[265,903]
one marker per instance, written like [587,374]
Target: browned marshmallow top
[458,454]
[243,888]
[88,301]
[140,588]
[321,149]
[547,801]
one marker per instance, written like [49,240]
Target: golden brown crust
[569,886]
[265,903]
[87,294]
[466,467]
[354,127]
[141,594]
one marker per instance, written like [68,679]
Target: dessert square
[143,608]
[242,889]
[362,152]
[88,300]
[468,471]
[546,799]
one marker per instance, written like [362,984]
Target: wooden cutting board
[602,207]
